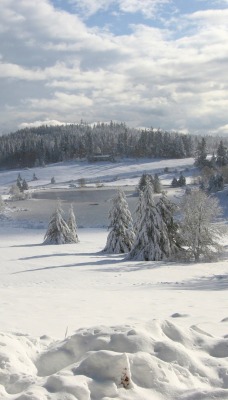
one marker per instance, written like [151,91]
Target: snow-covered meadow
[80,324]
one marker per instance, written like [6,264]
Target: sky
[149,63]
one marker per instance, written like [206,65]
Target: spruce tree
[72,225]
[24,185]
[138,212]
[2,204]
[167,209]
[174,182]
[152,232]
[181,180]
[19,185]
[216,183]
[157,184]
[142,182]
[201,153]
[121,235]
[222,155]
[58,231]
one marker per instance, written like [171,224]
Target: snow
[78,324]
[124,172]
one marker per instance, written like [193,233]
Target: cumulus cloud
[54,67]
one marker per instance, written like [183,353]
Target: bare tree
[199,229]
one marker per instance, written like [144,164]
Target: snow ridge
[156,360]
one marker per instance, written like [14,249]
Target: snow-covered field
[79,324]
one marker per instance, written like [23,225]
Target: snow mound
[158,360]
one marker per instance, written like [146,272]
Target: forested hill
[49,144]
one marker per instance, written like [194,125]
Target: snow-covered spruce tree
[58,231]
[72,225]
[181,180]
[121,235]
[222,155]
[138,213]
[142,182]
[216,183]
[201,153]
[152,241]
[2,204]
[157,184]
[19,184]
[24,185]
[167,209]
[199,232]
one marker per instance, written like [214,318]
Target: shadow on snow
[211,283]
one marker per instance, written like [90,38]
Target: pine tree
[152,232]
[157,184]
[182,180]
[174,182]
[142,182]
[58,231]
[216,182]
[19,184]
[24,185]
[2,204]
[167,209]
[121,235]
[72,225]
[201,153]
[138,212]
[222,156]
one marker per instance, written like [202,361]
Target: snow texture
[157,360]
[152,330]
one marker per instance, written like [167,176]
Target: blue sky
[160,63]
[119,21]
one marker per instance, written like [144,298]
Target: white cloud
[223,130]
[60,102]
[90,7]
[36,124]
[8,70]
[147,7]
[53,67]
[217,17]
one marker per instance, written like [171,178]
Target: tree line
[49,144]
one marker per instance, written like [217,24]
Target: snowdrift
[154,361]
